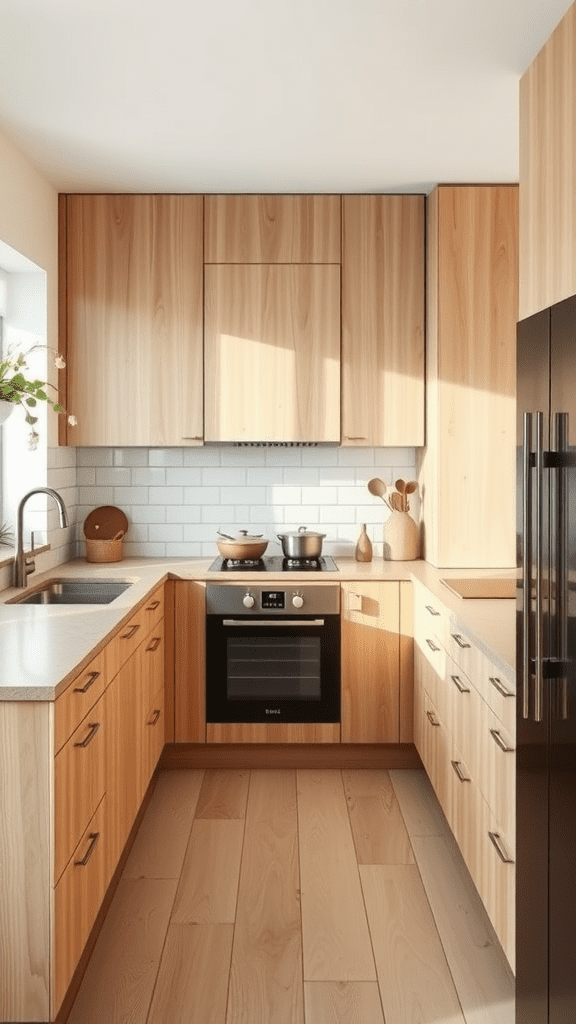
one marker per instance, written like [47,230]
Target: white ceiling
[267,95]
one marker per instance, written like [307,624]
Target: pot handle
[302,529]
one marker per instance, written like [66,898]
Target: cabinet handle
[92,730]
[130,632]
[500,742]
[496,840]
[499,685]
[93,837]
[154,643]
[432,645]
[195,437]
[432,610]
[92,677]
[460,640]
[459,684]
[348,437]
[431,719]
[155,716]
[457,766]
[354,602]
[153,606]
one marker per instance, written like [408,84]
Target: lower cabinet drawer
[499,693]
[499,883]
[77,897]
[153,742]
[498,775]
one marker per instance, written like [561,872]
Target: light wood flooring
[295,897]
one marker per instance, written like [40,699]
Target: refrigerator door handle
[560,548]
[539,611]
[527,559]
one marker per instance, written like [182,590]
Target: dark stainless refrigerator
[546,665]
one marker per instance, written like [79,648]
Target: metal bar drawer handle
[457,766]
[92,677]
[153,606]
[93,837]
[500,742]
[130,631]
[432,610]
[155,716]
[500,686]
[154,643]
[459,684]
[431,719]
[496,840]
[459,640]
[432,646]
[277,623]
[92,730]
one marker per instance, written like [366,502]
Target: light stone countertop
[43,647]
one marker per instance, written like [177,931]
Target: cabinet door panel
[134,319]
[272,366]
[383,320]
[272,229]
[370,663]
[190,661]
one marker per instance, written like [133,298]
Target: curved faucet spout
[24,566]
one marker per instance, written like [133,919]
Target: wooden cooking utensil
[411,487]
[377,487]
[104,523]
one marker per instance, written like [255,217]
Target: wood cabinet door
[272,363]
[123,706]
[382,320]
[134,319]
[190,661]
[370,624]
[272,229]
[151,669]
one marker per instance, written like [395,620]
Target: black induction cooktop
[274,563]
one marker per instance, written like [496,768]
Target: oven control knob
[248,600]
[297,600]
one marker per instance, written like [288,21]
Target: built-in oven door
[260,669]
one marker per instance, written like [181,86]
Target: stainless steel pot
[302,543]
[241,547]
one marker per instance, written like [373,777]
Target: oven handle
[251,623]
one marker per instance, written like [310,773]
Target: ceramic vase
[401,537]
[363,552]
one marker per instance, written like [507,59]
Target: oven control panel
[246,599]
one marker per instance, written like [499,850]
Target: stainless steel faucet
[23,565]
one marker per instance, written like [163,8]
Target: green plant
[6,535]
[17,388]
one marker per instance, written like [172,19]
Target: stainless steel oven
[272,653]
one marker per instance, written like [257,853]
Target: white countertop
[43,647]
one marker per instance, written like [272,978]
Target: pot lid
[301,532]
[243,537]
[105,523]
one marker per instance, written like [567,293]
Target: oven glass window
[278,667]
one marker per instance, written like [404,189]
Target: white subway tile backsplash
[183,550]
[337,475]
[95,456]
[221,514]
[146,513]
[302,476]
[319,457]
[282,456]
[201,457]
[224,476]
[94,496]
[166,456]
[166,532]
[339,514]
[183,513]
[263,476]
[113,476]
[202,495]
[242,495]
[319,495]
[166,495]
[300,515]
[130,457]
[401,457]
[86,476]
[356,456]
[133,496]
[151,476]
[185,477]
[144,549]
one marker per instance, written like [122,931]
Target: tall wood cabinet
[548,172]
[382,320]
[131,312]
[467,470]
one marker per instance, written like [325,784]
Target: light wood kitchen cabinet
[190,661]
[370,625]
[472,244]
[272,353]
[548,172]
[382,320]
[133,318]
[272,229]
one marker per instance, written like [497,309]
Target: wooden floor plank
[224,793]
[342,1002]
[378,827]
[266,972]
[421,811]
[192,982]
[160,845]
[118,984]
[413,975]
[336,941]
[208,887]
[481,972]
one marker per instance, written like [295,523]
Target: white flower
[60,362]
[72,421]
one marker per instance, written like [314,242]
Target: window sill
[8,553]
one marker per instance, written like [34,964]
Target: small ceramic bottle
[363,551]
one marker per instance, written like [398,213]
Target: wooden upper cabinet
[133,319]
[383,320]
[272,229]
[272,353]
[471,377]
[548,172]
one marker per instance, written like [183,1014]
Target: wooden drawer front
[498,771]
[433,667]
[499,693]
[467,816]
[429,615]
[463,715]
[436,753]
[152,653]
[131,635]
[154,608]
[153,743]
[74,704]
[79,783]
[498,890]
[464,652]
[78,896]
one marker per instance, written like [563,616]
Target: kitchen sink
[74,592]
